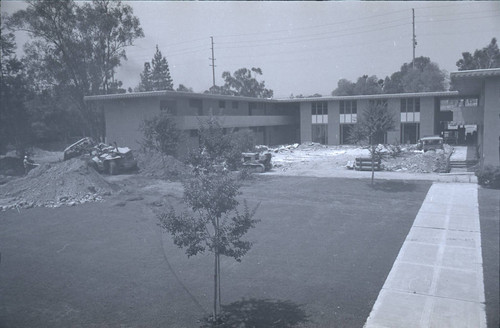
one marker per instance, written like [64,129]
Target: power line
[328,33]
[313,26]
[312,38]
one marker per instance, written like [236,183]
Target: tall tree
[365,85]
[77,47]
[242,83]
[375,121]
[145,84]
[423,75]
[344,88]
[183,88]
[13,93]
[156,76]
[488,57]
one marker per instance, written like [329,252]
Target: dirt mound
[420,162]
[55,184]
[156,165]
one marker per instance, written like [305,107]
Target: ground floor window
[345,133]
[320,133]
[410,133]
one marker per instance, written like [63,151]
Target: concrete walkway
[437,278]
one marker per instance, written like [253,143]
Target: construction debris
[67,183]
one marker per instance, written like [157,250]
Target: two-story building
[469,115]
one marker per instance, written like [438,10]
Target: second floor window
[348,111]
[410,110]
[319,111]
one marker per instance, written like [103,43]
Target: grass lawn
[321,254]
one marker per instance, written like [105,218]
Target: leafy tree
[13,92]
[220,148]
[145,84]
[365,85]
[344,88]
[161,134]
[77,48]
[424,76]
[219,90]
[242,83]
[488,57]
[375,121]
[211,220]
[368,85]
[183,88]
[156,76]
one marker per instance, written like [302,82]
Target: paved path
[459,153]
[437,278]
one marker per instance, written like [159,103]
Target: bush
[161,134]
[489,176]
[218,148]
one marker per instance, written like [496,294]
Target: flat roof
[171,93]
[182,94]
[477,73]
[377,96]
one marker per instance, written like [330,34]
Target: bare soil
[54,184]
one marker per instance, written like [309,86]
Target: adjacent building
[483,84]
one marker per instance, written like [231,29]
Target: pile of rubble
[414,161]
[395,158]
[156,165]
[67,183]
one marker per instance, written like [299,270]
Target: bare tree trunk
[373,163]
[218,282]
[215,286]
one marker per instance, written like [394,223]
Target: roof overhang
[377,96]
[172,94]
[181,94]
[470,82]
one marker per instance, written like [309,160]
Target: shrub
[161,134]
[218,148]
[489,176]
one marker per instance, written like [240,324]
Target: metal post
[414,41]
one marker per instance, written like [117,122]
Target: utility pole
[213,61]
[414,36]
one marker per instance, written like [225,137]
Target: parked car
[430,143]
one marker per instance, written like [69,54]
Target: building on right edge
[483,84]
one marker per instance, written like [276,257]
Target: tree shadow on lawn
[393,186]
[259,313]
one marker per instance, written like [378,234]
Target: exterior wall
[193,122]
[491,127]
[333,122]
[124,117]
[394,107]
[305,122]
[427,116]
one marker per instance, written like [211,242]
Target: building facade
[467,116]
[271,121]
[483,84]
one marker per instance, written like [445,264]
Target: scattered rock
[135,198]
[54,185]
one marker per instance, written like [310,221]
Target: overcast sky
[302,47]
